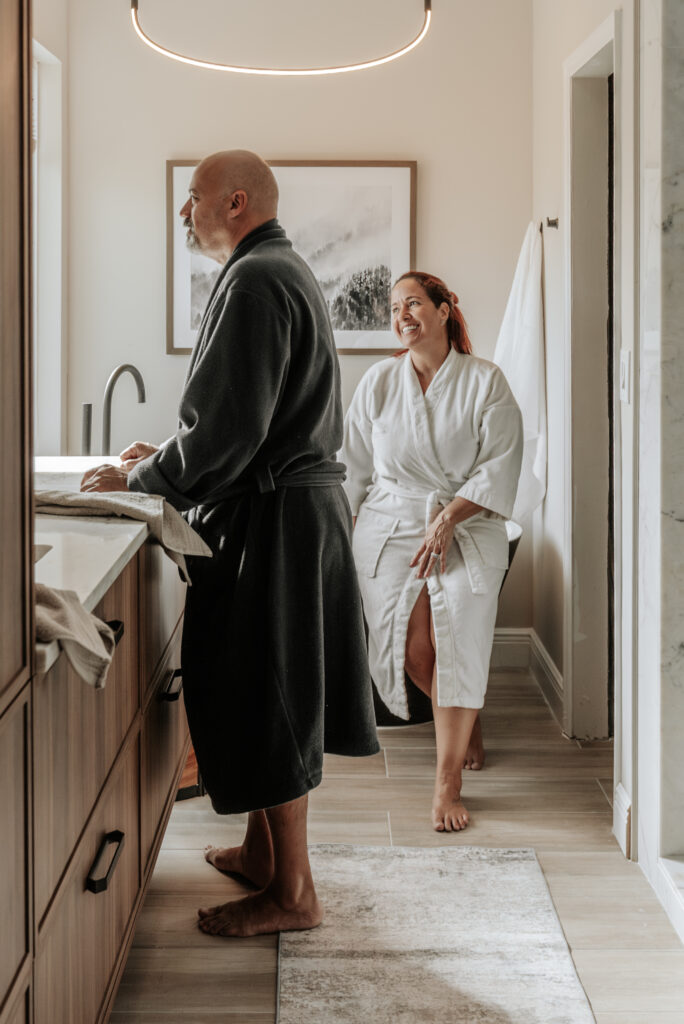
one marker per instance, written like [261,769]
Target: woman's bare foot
[260,914]
[448,812]
[256,866]
[475,755]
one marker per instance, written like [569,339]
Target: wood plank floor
[538,789]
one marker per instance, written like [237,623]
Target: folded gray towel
[87,641]
[166,525]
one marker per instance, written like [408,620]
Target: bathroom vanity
[92,773]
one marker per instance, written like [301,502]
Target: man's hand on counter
[105,478]
[136,452]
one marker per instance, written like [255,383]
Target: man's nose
[185,210]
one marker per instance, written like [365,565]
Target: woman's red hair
[437,292]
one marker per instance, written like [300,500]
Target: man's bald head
[239,169]
[231,194]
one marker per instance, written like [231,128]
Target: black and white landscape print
[345,237]
[203,274]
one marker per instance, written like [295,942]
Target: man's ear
[237,202]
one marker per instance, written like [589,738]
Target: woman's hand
[435,547]
[440,536]
[136,452]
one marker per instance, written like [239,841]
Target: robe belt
[434,501]
[264,482]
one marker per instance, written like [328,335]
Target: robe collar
[437,384]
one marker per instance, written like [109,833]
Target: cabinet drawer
[77,733]
[15,842]
[163,739]
[79,943]
[162,599]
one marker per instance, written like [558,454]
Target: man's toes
[207,911]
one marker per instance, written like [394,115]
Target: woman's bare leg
[254,859]
[289,901]
[475,754]
[453,726]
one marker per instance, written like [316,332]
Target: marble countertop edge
[88,553]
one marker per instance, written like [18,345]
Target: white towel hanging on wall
[520,354]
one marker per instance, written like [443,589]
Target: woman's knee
[419,660]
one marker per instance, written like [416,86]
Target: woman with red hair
[433,446]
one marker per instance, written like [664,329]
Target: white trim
[622,819]
[669,887]
[522,649]
[547,675]
[511,648]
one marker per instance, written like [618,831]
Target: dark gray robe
[274,657]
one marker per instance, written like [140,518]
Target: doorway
[593,507]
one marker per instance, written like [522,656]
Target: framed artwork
[353,221]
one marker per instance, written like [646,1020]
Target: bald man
[274,655]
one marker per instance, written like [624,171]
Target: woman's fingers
[418,555]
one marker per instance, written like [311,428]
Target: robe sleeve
[226,407]
[493,478]
[357,449]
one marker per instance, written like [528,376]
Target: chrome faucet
[107,406]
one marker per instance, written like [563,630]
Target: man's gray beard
[192,242]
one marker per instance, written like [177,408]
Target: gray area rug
[464,935]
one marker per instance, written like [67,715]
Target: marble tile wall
[672,430]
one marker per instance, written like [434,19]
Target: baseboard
[622,819]
[522,648]
[545,671]
[511,648]
[669,886]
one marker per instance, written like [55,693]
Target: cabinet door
[15,935]
[79,944]
[15,375]
[77,733]
[162,599]
[164,741]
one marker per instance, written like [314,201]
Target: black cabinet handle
[173,686]
[117,628]
[100,884]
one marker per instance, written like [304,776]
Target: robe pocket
[491,542]
[371,533]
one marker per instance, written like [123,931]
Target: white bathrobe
[408,454]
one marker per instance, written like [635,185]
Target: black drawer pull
[173,686]
[117,628]
[93,883]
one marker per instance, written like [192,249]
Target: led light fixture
[240,69]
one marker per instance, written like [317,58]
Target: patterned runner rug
[464,935]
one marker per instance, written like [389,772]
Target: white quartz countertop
[86,554]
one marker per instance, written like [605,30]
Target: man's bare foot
[256,867]
[448,812]
[260,914]
[475,755]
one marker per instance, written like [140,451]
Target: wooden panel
[15,569]
[80,940]
[21,1011]
[77,734]
[164,733]
[15,935]
[162,599]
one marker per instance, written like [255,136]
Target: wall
[460,105]
[558,30]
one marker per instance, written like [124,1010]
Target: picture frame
[353,221]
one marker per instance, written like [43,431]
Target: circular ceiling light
[240,69]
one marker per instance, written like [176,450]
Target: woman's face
[415,318]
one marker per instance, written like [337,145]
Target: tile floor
[538,789]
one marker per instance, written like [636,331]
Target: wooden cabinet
[81,936]
[15,826]
[105,773]
[163,736]
[77,734]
